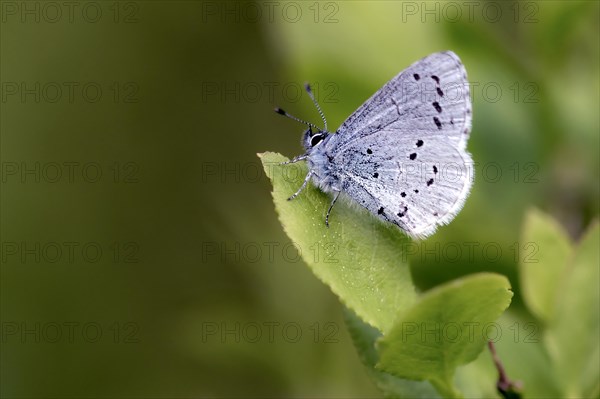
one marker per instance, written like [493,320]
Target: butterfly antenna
[282,112]
[312,97]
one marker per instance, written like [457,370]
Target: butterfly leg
[306,179]
[337,194]
[295,159]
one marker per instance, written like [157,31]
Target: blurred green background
[141,253]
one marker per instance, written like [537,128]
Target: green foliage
[444,330]
[413,345]
[541,273]
[357,256]
[572,337]
[558,353]
[365,338]
[367,268]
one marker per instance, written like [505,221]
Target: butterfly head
[312,139]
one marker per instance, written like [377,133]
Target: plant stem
[507,388]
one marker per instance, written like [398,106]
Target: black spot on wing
[416,76]
[437,107]
[413,156]
[437,122]
[403,212]
[419,143]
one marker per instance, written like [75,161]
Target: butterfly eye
[316,139]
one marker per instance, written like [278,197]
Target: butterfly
[402,154]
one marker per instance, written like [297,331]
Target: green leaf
[544,250]
[447,328]
[572,339]
[364,338]
[361,259]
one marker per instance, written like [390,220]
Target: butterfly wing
[430,97]
[402,153]
[413,183]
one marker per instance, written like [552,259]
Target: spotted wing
[429,98]
[414,182]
